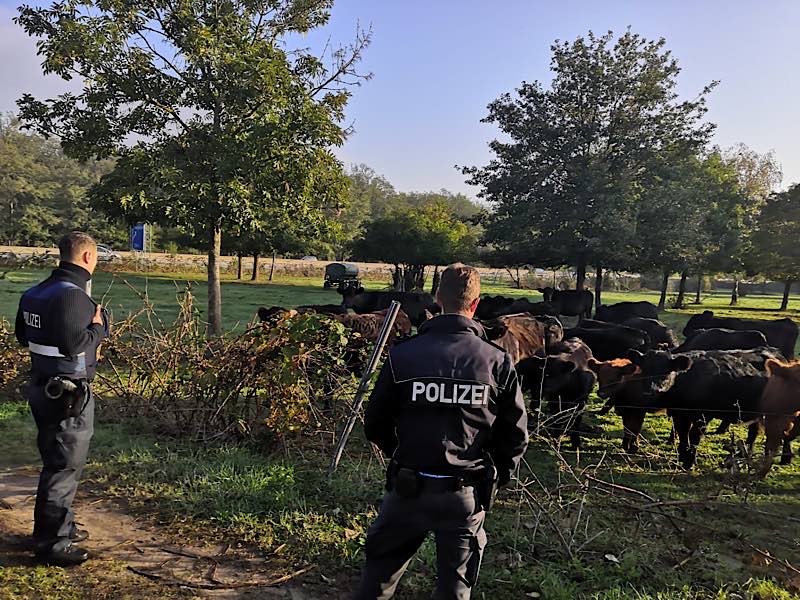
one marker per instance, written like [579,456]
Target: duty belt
[51,351]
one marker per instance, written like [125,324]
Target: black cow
[563,381]
[569,303]
[622,311]
[661,336]
[611,341]
[491,307]
[497,306]
[414,304]
[323,309]
[722,339]
[698,386]
[781,333]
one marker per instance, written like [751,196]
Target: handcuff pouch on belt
[71,393]
[487,486]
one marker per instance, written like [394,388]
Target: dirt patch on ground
[132,558]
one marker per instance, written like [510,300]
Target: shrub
[13,363]
[272,380]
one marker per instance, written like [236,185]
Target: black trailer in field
[343,275]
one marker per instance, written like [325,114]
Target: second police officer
[62,328]
[448,410]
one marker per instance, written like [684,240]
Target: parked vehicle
[106,254]
[344,275]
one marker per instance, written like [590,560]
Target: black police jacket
[54,322]
[445,398]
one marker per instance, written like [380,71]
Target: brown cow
[780,407]
[523,335]
[619,382]
[369,324]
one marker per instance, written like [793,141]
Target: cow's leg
[774,426]
[682,424]
[575,432]
[786,456]
[723,427]
[631,428]
[696,431]
[671,438]
[752,434]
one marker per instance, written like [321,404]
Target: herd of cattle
[733,370]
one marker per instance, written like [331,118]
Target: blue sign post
[138,237]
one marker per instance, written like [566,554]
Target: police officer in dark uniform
[62,328]
[448,410]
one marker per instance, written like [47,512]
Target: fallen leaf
[612,558]
[533,595]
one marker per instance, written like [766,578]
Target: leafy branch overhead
[214,118]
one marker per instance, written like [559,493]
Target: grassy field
[123,294]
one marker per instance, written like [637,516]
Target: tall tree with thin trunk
[233,125]
[775,251]
[567,177]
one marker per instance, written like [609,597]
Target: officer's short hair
[459,286]
[73,244]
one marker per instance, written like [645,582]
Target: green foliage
[13,360]
[566,184]
[43,194]
[234,127]
[775,251]
[428,235]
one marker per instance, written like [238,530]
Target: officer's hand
[98,317]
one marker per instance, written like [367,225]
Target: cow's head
[349,294]
[612,374]
[545,375]
[659,369]
[700,321]
[547,292]
[494,328]
[553,330]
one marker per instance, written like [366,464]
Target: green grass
[121,293]
[286,501]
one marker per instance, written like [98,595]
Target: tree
[757,176]
[43,194]
[410,239]
[234,127]
[775,252]
[567,181]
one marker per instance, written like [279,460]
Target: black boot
[78,535]
[68,557]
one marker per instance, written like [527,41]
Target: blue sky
[437,64]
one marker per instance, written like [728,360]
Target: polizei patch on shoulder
[466,394]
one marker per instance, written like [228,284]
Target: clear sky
[438,63]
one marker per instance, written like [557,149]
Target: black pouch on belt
[71,393]
[406,483]
[487,487]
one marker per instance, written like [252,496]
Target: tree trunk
[272,266]
[414,276]
[398,279]
[662,301]
[735,291]
[580,272]
[435,282]
[239,266]
[254,276]
[787,288]
[697,299]
[214,290]
[682,289]
[598,288]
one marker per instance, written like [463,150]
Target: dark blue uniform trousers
[63,445]
[455,518]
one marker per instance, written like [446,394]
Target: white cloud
[20,67]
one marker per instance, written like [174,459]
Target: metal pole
[383,336]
